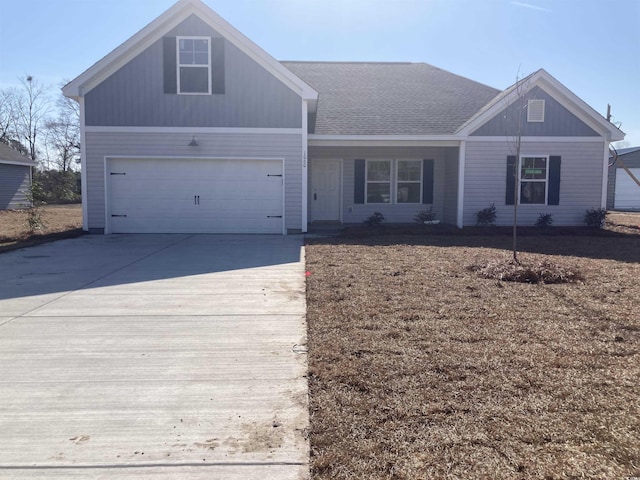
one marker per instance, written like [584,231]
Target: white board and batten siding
[580,180]
[216,154]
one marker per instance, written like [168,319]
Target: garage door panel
[196,196]
[627,191]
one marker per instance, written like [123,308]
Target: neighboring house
[623,191]
[15,178]
[190,127]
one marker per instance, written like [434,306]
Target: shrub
[374,219]
[595,217]
[486,216]
[425,216]
[544,220]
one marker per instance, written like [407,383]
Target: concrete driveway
[153,357]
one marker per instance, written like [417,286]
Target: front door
[325,191]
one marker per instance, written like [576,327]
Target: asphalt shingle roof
[8,154]
[390,98]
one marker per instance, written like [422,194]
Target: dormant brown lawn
[420,368]
[56,219]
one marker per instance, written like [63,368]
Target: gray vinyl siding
[134,95]
[631,160]
[101,145]
[450,213]
[558,121]
[394,213]
[580,181]
[14,186]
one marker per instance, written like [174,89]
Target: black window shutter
[217,65]
[427,181]
[554,181]
[511,180]
[358,187]
[169,65]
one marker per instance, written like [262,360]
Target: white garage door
[195,196]
[627,191]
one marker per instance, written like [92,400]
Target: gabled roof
[153,32]
[390,98]
[627,151]
[541,78]
[10,156]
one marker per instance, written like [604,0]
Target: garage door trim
[107,179]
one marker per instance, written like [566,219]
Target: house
[190,127]
[623,193]
[15,178]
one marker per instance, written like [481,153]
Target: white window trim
[397,181]
[539,101]
[546,180]
[393,180]
[367,181]
[179,65]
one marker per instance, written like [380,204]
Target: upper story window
[194,65]
[535,110]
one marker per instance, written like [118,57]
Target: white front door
[325,190]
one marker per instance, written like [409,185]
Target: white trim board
[195,130]
[19,163]
[509,139]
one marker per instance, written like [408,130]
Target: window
[393,181]
[194,65]
[409,181]
[378,181]
[535,110]
[534,175]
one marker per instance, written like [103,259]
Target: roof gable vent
[535,111]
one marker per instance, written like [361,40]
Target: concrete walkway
[154,357]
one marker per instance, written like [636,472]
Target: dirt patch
[419,368]
[59,221]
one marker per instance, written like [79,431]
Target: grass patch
[422,369]
[57,222]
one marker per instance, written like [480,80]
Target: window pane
[201,58]
[533,192]
[534,168]
[379,170]
[409,170]
[194,80]
[201,45]
[186,58]
[186,45]
[409,193]
[378,193]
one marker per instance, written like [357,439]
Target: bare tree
[32,106]
[63,134]
[7,115]
[521,88]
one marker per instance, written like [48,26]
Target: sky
[591,46]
